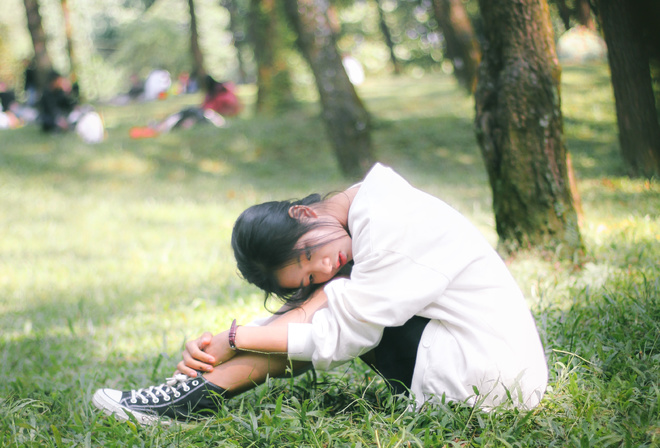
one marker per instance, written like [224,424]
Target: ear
[300,212]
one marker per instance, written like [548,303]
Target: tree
[198,57]
[346,119]
[583,14]
[387,35]
[581,11]
[73,74]
[623,24]
[238,35]
[461,45]
[43,64]
[275,89]
[519,128]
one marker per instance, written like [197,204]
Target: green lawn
[112,255]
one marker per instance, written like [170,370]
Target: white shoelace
[164,390]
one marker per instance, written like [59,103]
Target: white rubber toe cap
[108,401]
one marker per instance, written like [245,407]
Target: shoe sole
[111,407]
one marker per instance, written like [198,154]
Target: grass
[112,255]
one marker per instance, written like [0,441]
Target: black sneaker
[181,397]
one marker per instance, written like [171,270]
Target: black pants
[396,354]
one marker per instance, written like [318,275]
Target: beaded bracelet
[232,335]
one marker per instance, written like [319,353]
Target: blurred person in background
[220,101]
[57,102]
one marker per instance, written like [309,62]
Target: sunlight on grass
[113,255]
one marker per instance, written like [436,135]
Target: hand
[203,353]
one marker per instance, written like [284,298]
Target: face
[319,261]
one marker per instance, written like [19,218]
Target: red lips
[341,260]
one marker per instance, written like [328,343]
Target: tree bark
[385,29]
[519,129]
[564,13]
[275,89]
[346,119]
[639,130]
[461,45]
[583,14]
[68,31]
[238,37]
[43,62]
[199,70]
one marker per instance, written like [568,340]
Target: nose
[324,266]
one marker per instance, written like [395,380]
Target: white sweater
[415,255]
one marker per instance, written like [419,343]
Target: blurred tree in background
[68,33]
[387,36]
[198,67]
[41,58]
[237,10]
[633,42]
[114,38]
[347,122]
[270,40]
[575,11]
[461,45]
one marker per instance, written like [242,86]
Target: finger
[205,339]
[182,368]
[193,349]
[196,364]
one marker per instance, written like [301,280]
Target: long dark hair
[264,239]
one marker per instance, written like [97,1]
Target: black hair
[212,86]
[264,239]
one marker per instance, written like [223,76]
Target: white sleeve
[300,345]
[384,291]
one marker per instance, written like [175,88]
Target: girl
[428,303]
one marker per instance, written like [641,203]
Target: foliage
[112,255]
[417,40]
[156,43]
[113,38]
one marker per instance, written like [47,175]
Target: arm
[208,350]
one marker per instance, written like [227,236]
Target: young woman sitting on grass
[428,304]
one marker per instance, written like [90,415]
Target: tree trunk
[238,38]
[199,69]
[519,129]
[385,29]
[639,130]
[346,119]
[564,13]
[583,14]
[581,11]
[43,63]
[68,31]
[461,45]
[275,89]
